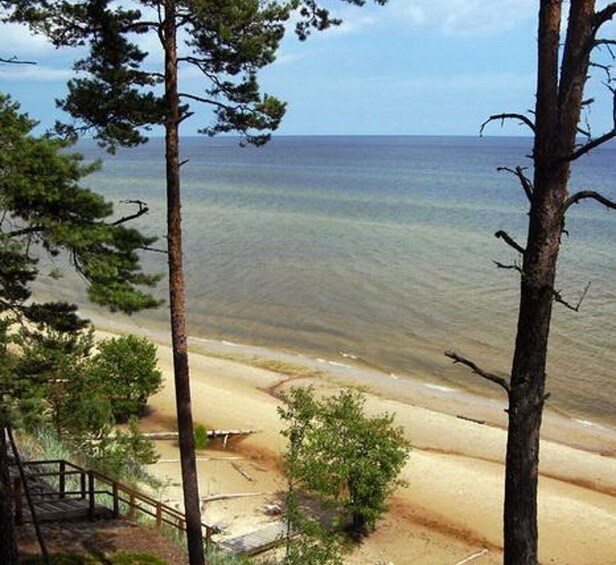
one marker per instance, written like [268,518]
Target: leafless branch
[609,43]
[500,234]
[558,298]
[477,370]
[154,249]
[142,209]
[203,99]
[599,140]
[182,163]
[589,194]
[604,15]
[185,116]
[16,61]
[508,116]
[527,185]
[513,267]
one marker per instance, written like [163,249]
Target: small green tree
[337,451]
[127,370]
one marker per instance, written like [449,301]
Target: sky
[412,67]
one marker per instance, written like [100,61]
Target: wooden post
[83,485]
[159,515]
[19,511]
[62,479]
[116,501]
[131,507]
[208,538]
[90,495]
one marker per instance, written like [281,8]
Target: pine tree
[562,73]
[43,209]
[228,41]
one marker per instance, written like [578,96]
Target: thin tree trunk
[177,303]
[8,545]
[557,116]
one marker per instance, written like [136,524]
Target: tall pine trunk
[177,297]
[8,545]
[558,108]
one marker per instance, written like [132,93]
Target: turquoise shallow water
[380,249]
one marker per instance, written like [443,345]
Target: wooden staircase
[60,490]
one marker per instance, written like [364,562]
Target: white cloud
[34,73]
[464,17]
[474,82]
[17,41]
[287,59]
[353,21]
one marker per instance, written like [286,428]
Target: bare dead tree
[555,125]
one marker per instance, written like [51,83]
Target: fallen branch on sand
[472,557]
[242,472]
[214,497]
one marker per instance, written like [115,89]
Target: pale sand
[452,508]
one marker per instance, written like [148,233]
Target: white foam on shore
[440,388]
[336,364]
[231,344]
[202,340]
[587,423]
[394,376]
[348,355]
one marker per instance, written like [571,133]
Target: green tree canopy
[126,368]
[44,208]
[339,452]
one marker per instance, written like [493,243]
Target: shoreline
[452,507]
[580,433]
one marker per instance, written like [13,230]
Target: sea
[380,252]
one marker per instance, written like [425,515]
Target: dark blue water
[380,248]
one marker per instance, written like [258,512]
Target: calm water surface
[380,248]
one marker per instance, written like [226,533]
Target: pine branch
[500,381]
[604,15]
[143,209]
[500,234]
[558,298]
[16,61]
[513,267]
[527,185]
[508,116]
[204,100]
[23,231]
[589,194]
[600,140]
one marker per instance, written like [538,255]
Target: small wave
[394,376]
[587,423]
[336,364]
[231,344]
[348,355]
[202,340]
[440,388]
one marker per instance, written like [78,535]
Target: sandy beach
[450,513]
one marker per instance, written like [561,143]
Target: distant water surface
[380,249]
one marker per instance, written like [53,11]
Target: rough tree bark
[8,545]
[559,103]
[177,295]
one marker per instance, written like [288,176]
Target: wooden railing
[96,488]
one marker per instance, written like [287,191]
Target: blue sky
[413,67]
